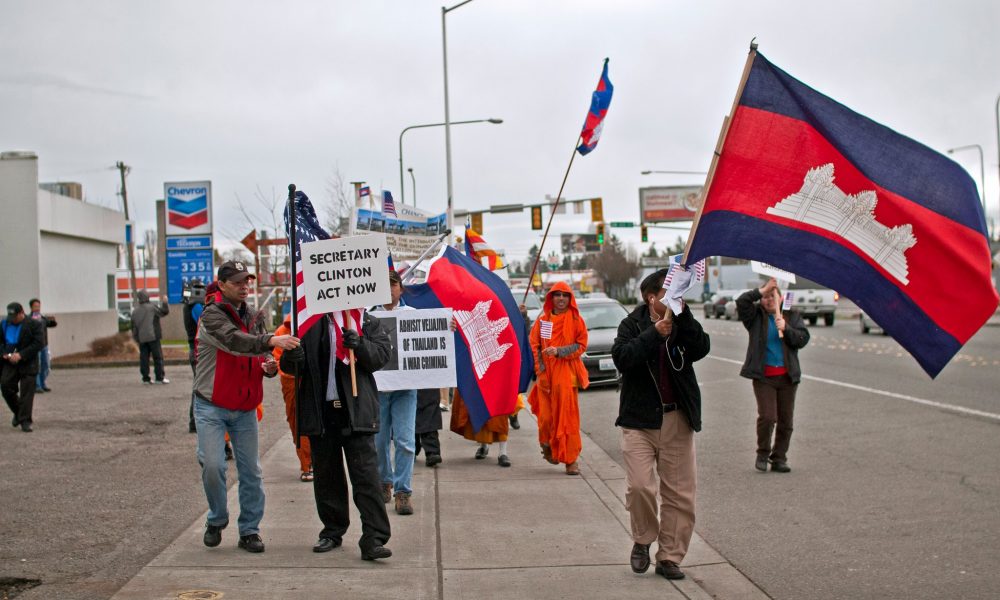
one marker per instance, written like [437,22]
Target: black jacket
[636,353]
[29,344]
[754,318]
[314,376]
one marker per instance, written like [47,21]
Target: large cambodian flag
[808,185]
[593,125]
[493,357]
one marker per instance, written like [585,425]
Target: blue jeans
[43,368]
[398,413]
[213,422]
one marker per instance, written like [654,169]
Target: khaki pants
[661,460]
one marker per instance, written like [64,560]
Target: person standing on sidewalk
[341,426]
[558,339]
[427,425]
[398,415]
[231,348]
[44,359]
[146,332]
[22,341]
[301,442]
[772,363]
[659,411]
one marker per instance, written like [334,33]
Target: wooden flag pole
[555,206]
[726,122]
[777,311]
[354,376]
[293,246]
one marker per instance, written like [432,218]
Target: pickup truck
[814,303]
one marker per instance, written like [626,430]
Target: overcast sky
[261,94]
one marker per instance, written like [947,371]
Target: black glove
[296,355]
[351,339]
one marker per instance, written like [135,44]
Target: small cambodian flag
[365,191]
[388,206]
[392,267]
[599,103]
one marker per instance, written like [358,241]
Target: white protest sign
[423,349]
[771,271]
[345,273]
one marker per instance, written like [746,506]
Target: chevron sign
[188,207]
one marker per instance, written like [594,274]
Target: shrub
[120,343]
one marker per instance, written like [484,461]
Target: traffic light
[536,217]
[645,234]
[596,210]
[477,222]
[600,234]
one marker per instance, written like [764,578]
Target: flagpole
[555,206]
[413,268]
[293,244]
[723,133]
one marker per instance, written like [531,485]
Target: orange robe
[554,399]
[494,430]
[302,449]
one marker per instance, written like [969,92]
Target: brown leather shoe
[669,570]
[386,493]
[403,504]
[547,454]
[573,468]
[640,558]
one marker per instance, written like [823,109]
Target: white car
[533,304]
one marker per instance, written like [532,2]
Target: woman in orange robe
[302,449]
[557,349]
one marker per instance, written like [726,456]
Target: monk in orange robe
[302,449]
[558,339]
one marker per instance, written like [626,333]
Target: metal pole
[414,179]
[982,171]
[293,246]
[997,115]
[447,114]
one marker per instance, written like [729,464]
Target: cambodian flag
[808,185]
[493,357]
[599,104]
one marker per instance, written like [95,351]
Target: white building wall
[75,274]
[19,237]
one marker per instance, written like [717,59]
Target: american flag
[545,328]
[388,206]
[698,270]
[308,229]
[789,299]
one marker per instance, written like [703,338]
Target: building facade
[61,250]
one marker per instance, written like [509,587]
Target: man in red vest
[233,355]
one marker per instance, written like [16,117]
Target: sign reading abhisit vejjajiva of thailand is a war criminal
[423,349]
[345,273]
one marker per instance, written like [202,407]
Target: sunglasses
[561,295]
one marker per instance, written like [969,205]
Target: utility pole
[130,246]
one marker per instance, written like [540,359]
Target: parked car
[730,311]
[867,324]
[532,302]
[124,320]
[602,316]
[716,305]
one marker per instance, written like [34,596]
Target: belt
[669,407]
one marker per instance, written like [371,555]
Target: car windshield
[606,315]
[531,301]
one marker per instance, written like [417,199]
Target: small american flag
[388,206]
[365,191]
[546,330]
[787,304]
[698,270]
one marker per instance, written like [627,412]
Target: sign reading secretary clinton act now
[345,273]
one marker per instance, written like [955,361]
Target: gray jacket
[146,319]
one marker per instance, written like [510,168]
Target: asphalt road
[889,496]
[106,481]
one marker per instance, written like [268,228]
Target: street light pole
[492,120]
[447,114]
[414,179]
[982,171]
[997,115]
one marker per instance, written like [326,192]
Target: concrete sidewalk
[479,531]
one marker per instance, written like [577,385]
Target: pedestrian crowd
[345,429]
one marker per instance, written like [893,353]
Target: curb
[173,362]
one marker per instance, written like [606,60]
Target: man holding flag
[339,425]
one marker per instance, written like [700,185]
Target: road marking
[914,399]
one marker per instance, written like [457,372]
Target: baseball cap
[234,270]
[14,308]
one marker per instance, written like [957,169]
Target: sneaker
[514,422]
[213,534]
[482,451]
[503,460]
[251,543]
[669,570]
[386,493]
[403,504]
[46,388]
[760,464]
[444,407]
[433,460]
[147,382]
[780,467]
[164,380]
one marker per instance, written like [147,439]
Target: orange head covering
[560,286]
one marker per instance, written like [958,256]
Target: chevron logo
[187,214]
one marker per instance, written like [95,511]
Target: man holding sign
[772,363]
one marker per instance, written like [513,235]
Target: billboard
[672,203]
[579,243]
[408,234]
[189,207]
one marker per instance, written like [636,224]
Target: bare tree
[613,265]
[340,202]
[150,243]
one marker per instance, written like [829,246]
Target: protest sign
[345,273]
[423,349]
[771,271]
